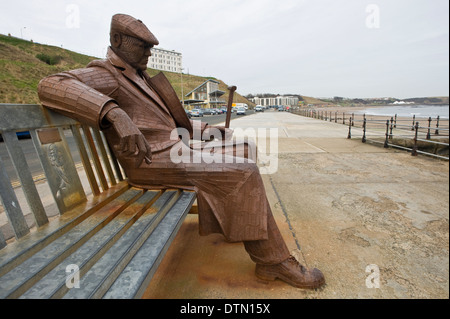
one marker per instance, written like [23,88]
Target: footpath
[374,220]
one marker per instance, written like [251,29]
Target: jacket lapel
[165,90]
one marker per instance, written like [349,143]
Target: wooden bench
[107,238]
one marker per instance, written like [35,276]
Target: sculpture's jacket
[231,196]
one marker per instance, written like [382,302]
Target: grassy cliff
[24,63]
[21,67]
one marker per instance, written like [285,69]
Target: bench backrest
[49,132]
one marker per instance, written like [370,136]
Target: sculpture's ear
[116,39]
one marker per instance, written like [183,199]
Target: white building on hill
[165,60]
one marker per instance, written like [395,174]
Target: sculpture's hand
[132,142]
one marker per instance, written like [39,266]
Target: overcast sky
[319,48]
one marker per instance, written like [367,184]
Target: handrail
[391,128]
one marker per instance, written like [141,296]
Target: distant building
[279,100]
[402,102]
[165,60]
[206,95]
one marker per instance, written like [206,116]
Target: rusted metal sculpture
[139,115]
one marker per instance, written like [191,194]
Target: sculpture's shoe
[292,272]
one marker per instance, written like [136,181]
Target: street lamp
[21,34]
[182,94]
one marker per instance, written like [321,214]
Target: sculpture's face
[134,51]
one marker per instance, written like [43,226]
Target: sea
[420,111]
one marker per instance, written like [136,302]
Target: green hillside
[24,63]
[21,70]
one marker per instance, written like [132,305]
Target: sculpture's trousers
[271,251]
[230,194]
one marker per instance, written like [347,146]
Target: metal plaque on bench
[59,168]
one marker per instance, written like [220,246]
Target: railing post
[343,118]
[335,117]
[414,120]
[437,126]
[386,145]
[429,129]
[353,119]
[364,129]
[414,150]
[395,121]
[349,129]
[391,127]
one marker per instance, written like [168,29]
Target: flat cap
[128,25]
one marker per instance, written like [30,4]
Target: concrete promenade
[356,211]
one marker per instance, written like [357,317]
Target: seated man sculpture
[138,115]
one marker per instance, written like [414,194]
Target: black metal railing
[408,134]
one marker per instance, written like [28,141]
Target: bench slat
[136,276]
[53,285]
[11,204]
[104,156]
[85,159]
[26,179]
[20,278]
[95,158]
[2,241]
[22,117]
[114,160]
[17,252]
[102,275]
